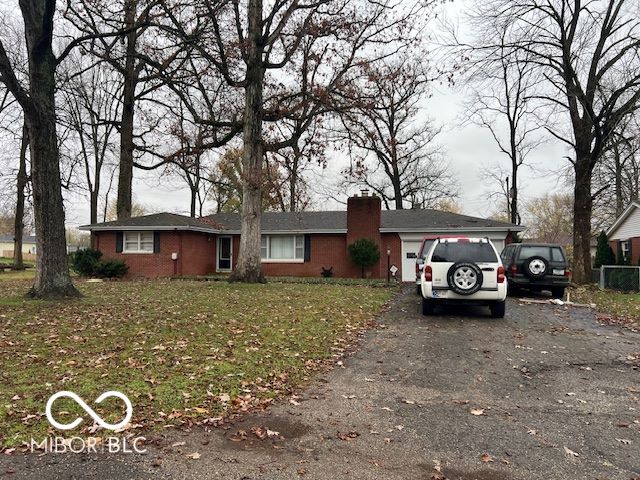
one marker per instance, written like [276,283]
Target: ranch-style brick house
[293,243]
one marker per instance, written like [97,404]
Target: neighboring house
[624,234]
[28,246]
[293,244]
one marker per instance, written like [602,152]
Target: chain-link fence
[617,277]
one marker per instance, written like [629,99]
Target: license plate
[558,271]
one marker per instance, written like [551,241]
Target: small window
[282,247]
[138,242]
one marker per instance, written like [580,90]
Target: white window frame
[624,247]
[297,240]
[138,238]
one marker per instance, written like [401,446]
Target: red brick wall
[330,250]
[391,241]
[363,221]
[196,254]
[635,249]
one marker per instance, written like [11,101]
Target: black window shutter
[307,248]
[119,242]
[156,242]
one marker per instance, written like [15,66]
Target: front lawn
[622,307]
[183,352]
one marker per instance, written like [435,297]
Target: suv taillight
[513,269]
[428,273]
[501,276]
[568,273]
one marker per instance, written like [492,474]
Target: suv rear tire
[428,306]
[536,267]
[465,278]
[498,309]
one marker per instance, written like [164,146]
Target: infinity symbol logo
[89,410]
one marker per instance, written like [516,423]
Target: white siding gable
[629,228]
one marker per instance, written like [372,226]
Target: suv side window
[426,245]
[556,254]
[507,254]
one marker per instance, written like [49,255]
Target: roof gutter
[138,228]
[511,228]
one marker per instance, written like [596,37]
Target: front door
[225,254]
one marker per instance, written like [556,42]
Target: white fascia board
[145,228]
[302,232]
[435,231]
[622,218]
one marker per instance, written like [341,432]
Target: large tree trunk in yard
[582,207]
[18,230]
[125,175]
[52,274]
[248,268]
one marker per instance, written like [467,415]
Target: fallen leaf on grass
[477,411]
[347,436]
[624,441]
[570,452]
[194,456]
[486,458]
[178,444]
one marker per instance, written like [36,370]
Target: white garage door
[409,252]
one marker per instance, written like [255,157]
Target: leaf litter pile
[185,353]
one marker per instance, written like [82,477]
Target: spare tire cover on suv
[536,267]
[465,278]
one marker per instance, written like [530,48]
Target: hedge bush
[88,263]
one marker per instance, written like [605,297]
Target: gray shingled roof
[392,221]
[405,220]
[333,221]
[288,221]
[25,239]
[160,221]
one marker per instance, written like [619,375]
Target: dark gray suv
[537,267]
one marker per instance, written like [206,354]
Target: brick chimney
[363,217]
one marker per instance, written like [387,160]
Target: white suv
[463,270]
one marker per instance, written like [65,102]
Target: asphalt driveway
[545,393]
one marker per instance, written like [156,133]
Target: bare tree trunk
[618,179]
[582,208]
[52,274]
[194,196]
[125,175]
[248,268]
[18,232]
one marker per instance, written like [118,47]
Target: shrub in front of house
[88,263]
[604,252]
[364,253]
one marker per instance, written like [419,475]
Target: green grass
[625,306]
[174,348]
[9,275]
